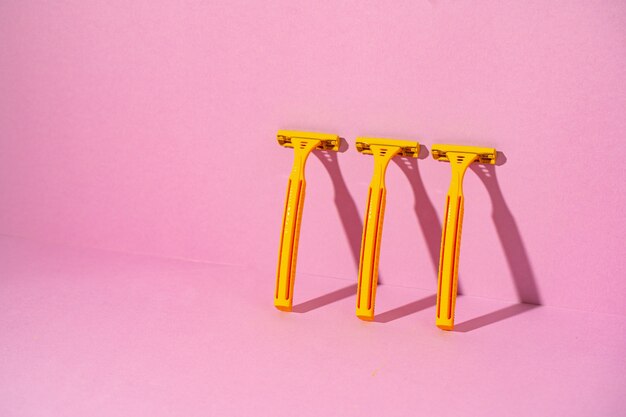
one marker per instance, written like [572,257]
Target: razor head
[483,155]
[407,148]
[328,142]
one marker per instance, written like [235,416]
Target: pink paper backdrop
[149,126]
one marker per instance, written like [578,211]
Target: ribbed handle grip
[448,261]
[288,249]
[370,251]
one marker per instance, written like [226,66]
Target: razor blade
[482,155]
[407,148]
[328,142]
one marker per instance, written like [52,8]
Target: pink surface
[149,126]
[91,333]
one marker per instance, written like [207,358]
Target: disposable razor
[460,158]
[383,150]
[303,143]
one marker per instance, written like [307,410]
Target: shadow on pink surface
[510,237]
[506,227]
[407,309]
[347,209]
[508,233]
[350,220]
[493,317]
[424,208]
[326,299]
[514,250]
[431,229]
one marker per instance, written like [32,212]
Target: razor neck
[459,162]
[302,148]
[382,156]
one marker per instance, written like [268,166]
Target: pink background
[147,128]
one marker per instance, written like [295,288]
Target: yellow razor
[383,150]
[303,143]
[460,157]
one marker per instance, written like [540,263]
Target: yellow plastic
[460,157]
[383,150]
[302,143]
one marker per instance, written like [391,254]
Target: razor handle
[449,262]
[460,158]
[372,233]
[448,280]
[294,203]
[370,253]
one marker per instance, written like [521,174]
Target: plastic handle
[294,203]
[451,244]
[449,261]
[372,233]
